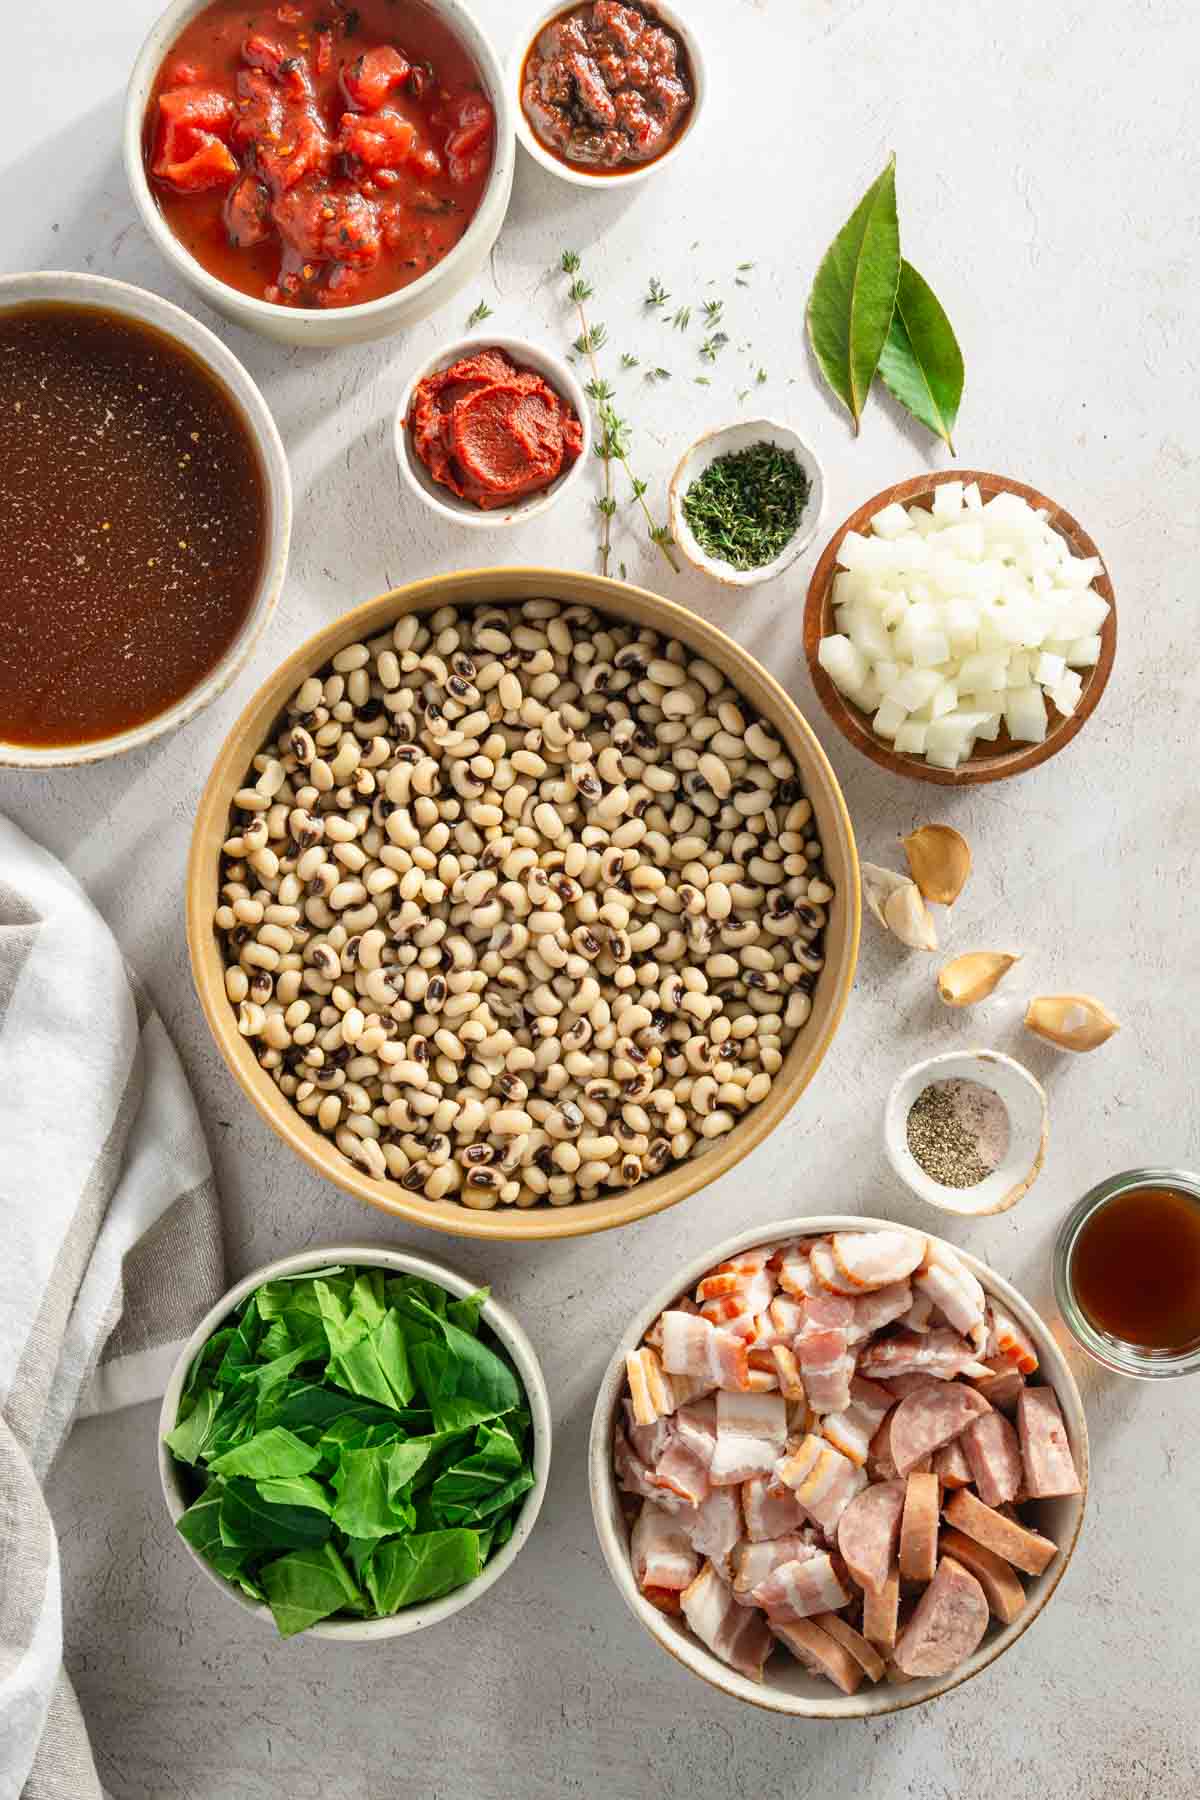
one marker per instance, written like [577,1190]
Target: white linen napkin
[111,1255]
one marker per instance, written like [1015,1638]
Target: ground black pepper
[958,1132]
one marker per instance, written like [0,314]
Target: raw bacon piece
[649,1388]
[822,1347]
[753,1563]
[881,1612]
[864,1653]
[991,1448]
[633,1477]
[662,1555]
[1045,1449]
[822,1479]
[929,1418]
[921,1315]
[1002,1386]
[796,1590]
[739,1635]
[941,1354]
[951,1467]
[1004,1537]
[716,1525]
[998,1579]
[821,1653]
[955,1291]
[873,1311]
[786,1316]
[795,1272]
[1009,1339]
[787,1372]
[751,1434]
[692,1346]
[681,1472]
[696,1426]
[770,1515]
[825,1271]
[950,1619]
[919,1529]
[852,1430]
[745,1278]
[869,1531]
[876,1259]
[649,1441]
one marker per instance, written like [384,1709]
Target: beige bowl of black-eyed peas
[522,903]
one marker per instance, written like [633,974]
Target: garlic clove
[878,885]
[1070,1021]
[970,978]
[907,917]
[940,860]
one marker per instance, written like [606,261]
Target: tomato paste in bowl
[318,155]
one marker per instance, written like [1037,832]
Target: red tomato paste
[607,86]
[492,432]
[319,154]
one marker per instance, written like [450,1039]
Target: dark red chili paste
[319,154]
[607,86]
[491,431]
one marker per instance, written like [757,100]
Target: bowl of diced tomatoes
[323,174]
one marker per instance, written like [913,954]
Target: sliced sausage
[1045,1450]
[869,1531]
[876,1259]
[991,1447]
[825,1271]
[929,1418]
[998,1579]
[919,1528]
[1001,1388]
[881,1613]
[864,1653]
[950,1619]
[821,1653]
[951,1467]
[1015,1543]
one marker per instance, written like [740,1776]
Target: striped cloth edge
[113,1254]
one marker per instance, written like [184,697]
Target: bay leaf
[921,363]
[854,294]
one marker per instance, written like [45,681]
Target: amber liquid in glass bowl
[1135,1268]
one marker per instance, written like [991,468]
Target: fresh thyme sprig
[713,345]
[712,311]
[657,295]
[479,314]
[682,318]
[613,445]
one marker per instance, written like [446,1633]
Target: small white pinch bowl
[519,1348]
[557,373]
[600,178]
[725,441]
[787,1687]
[1028,1117]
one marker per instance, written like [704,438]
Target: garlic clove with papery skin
[897,904]
[940,860]
[1070,1021]
[971,978]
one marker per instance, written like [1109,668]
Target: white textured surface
[1046,193]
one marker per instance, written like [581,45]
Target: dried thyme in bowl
[747,505]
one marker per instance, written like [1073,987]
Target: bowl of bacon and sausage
[838,1467]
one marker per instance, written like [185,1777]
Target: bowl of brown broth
[1127,1272]
[145,511]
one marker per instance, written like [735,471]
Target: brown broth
[1135,1268]
[133,517]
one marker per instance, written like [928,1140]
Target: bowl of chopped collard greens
[355,1443]
[745,501]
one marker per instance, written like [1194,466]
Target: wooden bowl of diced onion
[987,759]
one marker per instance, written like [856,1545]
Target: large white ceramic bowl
[788,1687]
[149,309]
[416,477]
[333,327]
[519,1348]
[585,178]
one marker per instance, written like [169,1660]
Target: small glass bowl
[1114,1353]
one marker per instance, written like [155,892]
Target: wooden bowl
[467,589]
[988,762]
[787,1687]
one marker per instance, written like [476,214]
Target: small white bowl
[518,1346]
[788,1687]
[1028,1118]
[586,178]
[724,441]
[180,328]
[557,374]
[328,328]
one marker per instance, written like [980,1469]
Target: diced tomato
[190,119]
[259,108]
[210,165]
[370,78]
[291,72]
[380,140]
[427,161]
[469,168]
[248,213]
[474,128]
[184,74]
[301,149]
[318,224]
[289,15]
[324,59]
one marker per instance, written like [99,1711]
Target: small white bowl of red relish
[491,431]
[321,172]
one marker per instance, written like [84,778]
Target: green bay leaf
[921,364]
[854,294]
